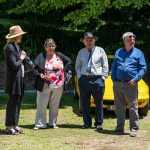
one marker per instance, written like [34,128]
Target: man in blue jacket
[128,68]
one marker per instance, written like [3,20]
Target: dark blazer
[13,73]
[39,68]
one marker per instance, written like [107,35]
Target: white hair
[126,35]
[49,41]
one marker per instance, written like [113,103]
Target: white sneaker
[133,133]
[54,127]
[36,128]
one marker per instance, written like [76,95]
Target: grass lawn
[69,136]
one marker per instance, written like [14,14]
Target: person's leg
[12,113]
[13,110]
[42,102]
[17,114]
[97,93]
[120,105]
[54,105]
[131,96]
[85,95]
[17,110]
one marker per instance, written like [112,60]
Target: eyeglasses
[132,36]
[49,46]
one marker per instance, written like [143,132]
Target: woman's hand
[42,76]
[23,55]
[51,77]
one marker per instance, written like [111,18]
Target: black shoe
[19,131]
[119,132]
[11,132]
[99,127]
[85,126]
[54,127]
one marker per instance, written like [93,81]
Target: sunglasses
[132,36]
[51,46]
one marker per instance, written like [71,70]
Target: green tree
[77,12]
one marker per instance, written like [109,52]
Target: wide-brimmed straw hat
[88,35]
[15,31]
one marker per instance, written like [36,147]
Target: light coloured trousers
[126,94]
[51,96]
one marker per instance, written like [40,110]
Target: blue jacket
[128,65]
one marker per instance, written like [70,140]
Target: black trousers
[13,110]
[92,86]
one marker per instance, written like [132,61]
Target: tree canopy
[75,12]
[66,20]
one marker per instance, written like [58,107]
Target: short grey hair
[126,34]
[49,41]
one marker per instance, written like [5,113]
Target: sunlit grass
[69,136]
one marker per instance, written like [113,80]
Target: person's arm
[142,67]
[66,60]
[11,55]
[78,65]
[37,70]
[28,62]
[105,65]
[114,69]
[36,66]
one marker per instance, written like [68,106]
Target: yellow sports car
[108,99]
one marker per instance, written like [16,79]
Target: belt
[123,80]
[92,76]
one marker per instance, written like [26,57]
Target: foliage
[67,20]
[67,40]
[78,11]
[135,4]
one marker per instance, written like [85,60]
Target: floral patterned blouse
[54,72]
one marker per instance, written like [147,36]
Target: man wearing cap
[15,60]
[92,69]
[128,68]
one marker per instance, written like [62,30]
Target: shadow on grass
[31,126]
[72,126]
[111,132]
[2,132]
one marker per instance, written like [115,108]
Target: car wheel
[144,111]
[76,96]
[80,107]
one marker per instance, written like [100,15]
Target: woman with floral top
[49,71]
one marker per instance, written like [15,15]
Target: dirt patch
[116,142]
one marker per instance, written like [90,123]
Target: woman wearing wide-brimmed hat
[15,60]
